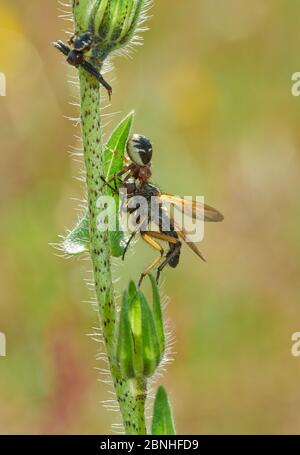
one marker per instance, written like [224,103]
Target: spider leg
[92,70]
[117,177]
[114,190]
[71,40]
[124,158]
[128,243]
[62,47]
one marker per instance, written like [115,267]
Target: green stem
[131,394]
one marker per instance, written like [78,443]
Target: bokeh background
[212,88]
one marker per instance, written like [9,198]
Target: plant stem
[131,394]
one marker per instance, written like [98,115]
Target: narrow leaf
[116,146]
[151,351]
[132,290]
[135,318]
[162,422]
[77,241]
[125,348]
[157,315]
[114,152]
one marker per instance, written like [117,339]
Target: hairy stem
[131,394]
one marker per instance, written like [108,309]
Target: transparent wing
[183,234]
[185,237]
[193,209]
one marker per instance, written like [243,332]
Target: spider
[75,51]
[135,179]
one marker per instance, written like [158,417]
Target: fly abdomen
[174,250]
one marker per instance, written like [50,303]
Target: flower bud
[113,23]
[140,344]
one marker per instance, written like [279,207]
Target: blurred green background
[212,88]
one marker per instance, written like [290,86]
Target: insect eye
[139,149]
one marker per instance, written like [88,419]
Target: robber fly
[76,51]
[134,178]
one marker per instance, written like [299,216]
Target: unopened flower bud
[140,345]
[113,23]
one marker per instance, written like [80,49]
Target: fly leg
[172,254]
[148,238]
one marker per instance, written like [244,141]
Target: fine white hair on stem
[96,334]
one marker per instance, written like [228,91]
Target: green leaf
[132,290]
[138,351]
[157,315]
[162,422]
[82,11]
[115,148]
[135,318]
[77,241]
[125,348]
[151,351]
[114,152]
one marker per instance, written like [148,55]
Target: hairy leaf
[157,314]
[77,241]
[114,162]
[162,422]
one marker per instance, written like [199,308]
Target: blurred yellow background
[212,88]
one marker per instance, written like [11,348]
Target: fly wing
[179,229]
[185,236]
[193,209]
[191,244]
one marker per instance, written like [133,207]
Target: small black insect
[75,51]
